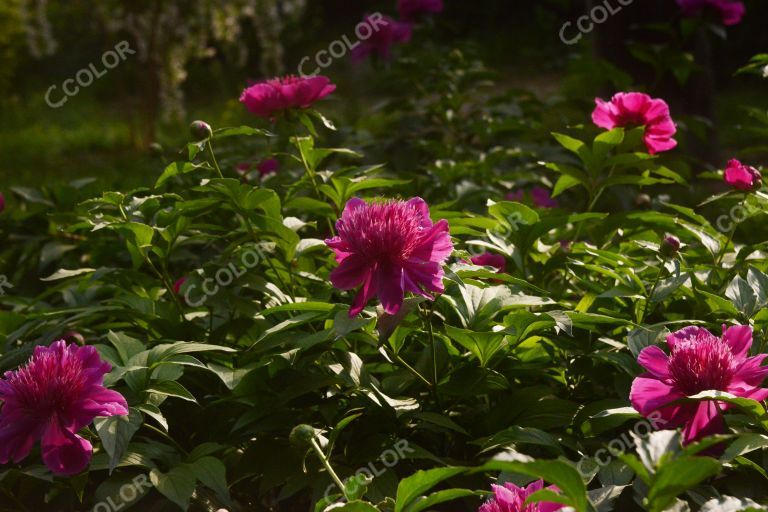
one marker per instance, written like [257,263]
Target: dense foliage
[468,286]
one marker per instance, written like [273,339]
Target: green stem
[433,347]
[328,466]
[213,159]
[653,290]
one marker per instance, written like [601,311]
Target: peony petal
[351,272]
[655,361]
[365,294]
[18,433]
[750,372]
[707,421]
[602,116]
[739,337]
[648,394]
[685,334]
[390,289]
[64,452]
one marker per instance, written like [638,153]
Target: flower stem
[653,290]
[213,159]
[328,466]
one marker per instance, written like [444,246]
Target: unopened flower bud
[670,246]
[643,201]
[301,435]
[200,130]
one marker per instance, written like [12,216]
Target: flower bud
[643,201]
[670,246]
[200,130]
[302,435]
[742,177]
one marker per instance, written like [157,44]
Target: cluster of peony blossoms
[59,392]
[731,12]
[698,361]
[634,109]
[387,249]
[388,32]
[270,98]
[511,498]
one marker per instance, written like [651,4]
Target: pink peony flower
[389,248]
[386,32]
[58,393]
[268,166]
[269,98]
[511,498]
[540,197]
[742,177]
[632,109]
[731,11]
[488,259]
[412,9]
[698,361]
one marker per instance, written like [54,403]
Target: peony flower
[268,166]
[56,394]
[2,202]
[742,177]
[269,98]
[488,259]
[386,32]
[540,197]
[632,109]
[698,361]
[389,248]
[265,167]
[511,498]
[412,9]
[731,11]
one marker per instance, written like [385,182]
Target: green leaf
[177,485]
[412,487]
[177,168]
[116,432]
[676,477]
[212,473]
[171,388]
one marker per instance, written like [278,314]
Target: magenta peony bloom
[488,259]
[386,32]
[2,202]
[511,498]
[389,248]
[268,166]
[632,109]
[731,11]
[412,9]
[742,177]
[58,393]
[269,98]
[698,361]
[540,197]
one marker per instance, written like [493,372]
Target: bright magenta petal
[706,422]
[655,361]
[64,452]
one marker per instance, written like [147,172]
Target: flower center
[49,384]
[384,232]
[701,363]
